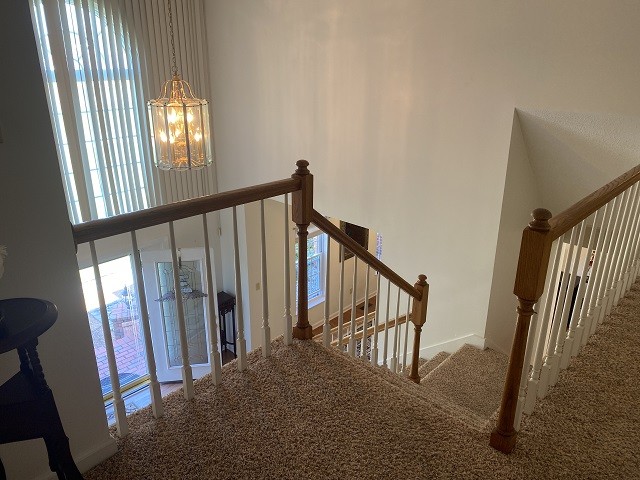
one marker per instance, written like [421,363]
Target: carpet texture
[432,363]
[313,413]
[472,379]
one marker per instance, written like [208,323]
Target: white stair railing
[573,269]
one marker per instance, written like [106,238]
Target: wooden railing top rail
[108,227]
[569,218]
[339,236]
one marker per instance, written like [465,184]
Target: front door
[163,316]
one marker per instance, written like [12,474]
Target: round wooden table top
[24,319]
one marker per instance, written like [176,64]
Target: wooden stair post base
[503,442]
[303,333]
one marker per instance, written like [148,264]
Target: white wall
[405,110]
[35,227]
[521,197]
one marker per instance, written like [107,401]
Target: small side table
[27,407]
[226,305]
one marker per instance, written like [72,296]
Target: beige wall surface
[405,110]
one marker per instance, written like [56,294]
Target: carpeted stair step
[470,379]
[427,397]
[431,364]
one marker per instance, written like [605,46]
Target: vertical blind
[101,61]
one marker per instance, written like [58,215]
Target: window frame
[323,271]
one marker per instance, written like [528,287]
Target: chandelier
[179,122]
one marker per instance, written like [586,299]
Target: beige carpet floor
[426,368]
[472,379]
[312,413]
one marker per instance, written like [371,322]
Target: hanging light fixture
[179,122]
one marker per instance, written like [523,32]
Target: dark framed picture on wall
[356,232]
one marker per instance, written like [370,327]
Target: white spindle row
[361,337]
[591,268]
[365,330]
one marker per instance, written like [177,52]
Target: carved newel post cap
[540,222]
[422,279]
[302,167]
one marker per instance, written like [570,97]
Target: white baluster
[386,327]
[393,366]
[633,260]
[563,358]
[556,326]
[363,348]
[341,300]
[266,329]
[622,242]
[214,346]
[326,329]
[406,334]
[528,352]
[569,348]
[241,342]
[154,387]
[535,382]
[352,338]
[591,296]
[187,374]
[635,254]
[605,256]
[630,239]
[614,248]
[579,315]
[374,349]
[288,326]
[122,427]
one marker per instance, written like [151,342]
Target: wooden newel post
[302,210]
[418,317]
[529,284]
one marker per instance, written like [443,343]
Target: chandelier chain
[174,68]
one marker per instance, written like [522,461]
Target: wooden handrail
[339,236]
[108,227]
[569,218]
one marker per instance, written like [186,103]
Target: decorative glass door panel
[194,312]
[163,313]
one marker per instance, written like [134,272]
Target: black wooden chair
[27,407]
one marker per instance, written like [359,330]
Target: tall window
[316,267]
[89,67]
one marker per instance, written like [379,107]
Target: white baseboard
[89,459]
[451,346]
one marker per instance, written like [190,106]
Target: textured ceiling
[573,154]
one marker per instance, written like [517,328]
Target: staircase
[296,408]
[308,411]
